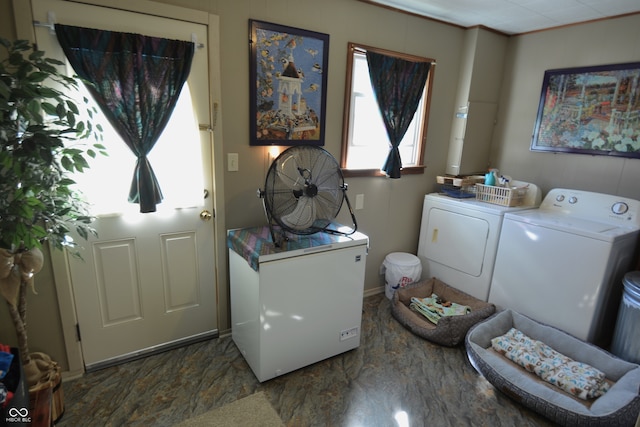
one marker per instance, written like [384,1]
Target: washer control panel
[593,206]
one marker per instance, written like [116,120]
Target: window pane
[176,160]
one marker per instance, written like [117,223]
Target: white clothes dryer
[459,239]
[563,264]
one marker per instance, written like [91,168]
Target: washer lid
[571,224]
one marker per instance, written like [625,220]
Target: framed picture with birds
[288,84]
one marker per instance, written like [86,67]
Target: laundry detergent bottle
[490,177]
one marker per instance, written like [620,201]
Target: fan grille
[304,189]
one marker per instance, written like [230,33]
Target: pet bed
[450,330]
[619,406]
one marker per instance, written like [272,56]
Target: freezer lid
[255,244]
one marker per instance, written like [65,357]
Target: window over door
[365,144]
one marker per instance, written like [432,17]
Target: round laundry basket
[399,269]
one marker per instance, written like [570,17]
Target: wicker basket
[503,196]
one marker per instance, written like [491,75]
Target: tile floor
[393,379]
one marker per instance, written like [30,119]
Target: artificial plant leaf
[49,108]
[80,162]
[73,107]
[37,77]
[5,91]
[61,110]
[48,92]
[53,61]
[67,163]
[36,54]
[34,107]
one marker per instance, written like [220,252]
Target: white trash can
[399,269]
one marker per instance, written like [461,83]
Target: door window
[175,159]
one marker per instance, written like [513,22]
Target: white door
[148,280]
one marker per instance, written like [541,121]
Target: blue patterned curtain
[398,85]
[136,82]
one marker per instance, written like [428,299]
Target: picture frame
[590,110]
[288,85]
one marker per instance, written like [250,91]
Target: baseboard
[71,375]
[373,291]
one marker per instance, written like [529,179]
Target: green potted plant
[44,139]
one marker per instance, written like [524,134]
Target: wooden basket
[502,196]
[460,181]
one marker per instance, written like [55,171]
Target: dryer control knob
[559,198]
[619,208]
[573,200]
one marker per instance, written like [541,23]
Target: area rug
[251,411]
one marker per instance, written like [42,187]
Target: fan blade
[288,173]
[303,216]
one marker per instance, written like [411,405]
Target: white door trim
[62,278]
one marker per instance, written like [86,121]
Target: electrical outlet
[359,201]
[348,333]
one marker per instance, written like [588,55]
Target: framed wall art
[590,110]
[288,85]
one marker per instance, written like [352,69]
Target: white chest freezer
[295,305]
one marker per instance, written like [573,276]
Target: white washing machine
[563,264]
[459,239]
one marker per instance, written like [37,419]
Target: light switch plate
[232,162]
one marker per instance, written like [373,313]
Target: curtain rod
[362,50]
[51,26]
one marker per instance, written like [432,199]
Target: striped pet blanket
[576,378]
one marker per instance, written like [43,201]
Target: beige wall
[7,27]
[392,208]
[604,42]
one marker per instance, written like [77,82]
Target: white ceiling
[515,16]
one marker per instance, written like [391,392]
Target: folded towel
[434,308]
[576,378]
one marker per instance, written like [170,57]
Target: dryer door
[455,240]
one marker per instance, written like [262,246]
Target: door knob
[205,215]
